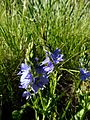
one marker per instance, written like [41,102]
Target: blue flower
[26,76]
[84,74]
[26,94]
[40,69]
[24,68]
[49,68]
[26,81]
[46,60]
[56,56]
[24,71]
[39,82]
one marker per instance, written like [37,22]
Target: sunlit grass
[47,24]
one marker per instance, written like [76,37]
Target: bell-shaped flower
[39,82]
[51,59]
[26,76]
[84,74]
[46,61]
[26,81]
[49,68]
[56,56]
[24,68]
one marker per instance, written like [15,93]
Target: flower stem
[43,117]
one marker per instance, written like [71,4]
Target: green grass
[50,24]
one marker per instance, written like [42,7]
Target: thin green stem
[43,117]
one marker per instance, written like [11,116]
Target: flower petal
[26,94]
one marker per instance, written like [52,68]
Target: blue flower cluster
[28,80]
